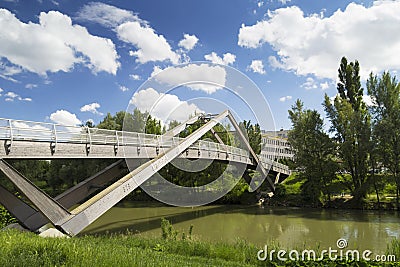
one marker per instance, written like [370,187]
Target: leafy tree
[385,92]
[172,124]
[153,126]
[109,123]
[89,124]
[253,134]
[350,122]
[314,152]
[136,121]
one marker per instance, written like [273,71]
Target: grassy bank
[289,193]
[27,249]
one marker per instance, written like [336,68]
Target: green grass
[28,249]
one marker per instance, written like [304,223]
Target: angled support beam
[260,167]
[32,219]
[88,186]
[92,209]
[50,208]
[17,207]
[178,129]
[217,136]
[78,193]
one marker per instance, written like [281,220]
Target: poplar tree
[350,124]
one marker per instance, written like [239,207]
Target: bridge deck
[36,140]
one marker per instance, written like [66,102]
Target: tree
[89,124]
[172,124]
[153,126]
[350,122]
[136,122]
[385,92]
[253,134]
[109,123]
[314,152]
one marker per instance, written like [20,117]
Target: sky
[72,61]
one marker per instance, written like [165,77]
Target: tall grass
[28,249]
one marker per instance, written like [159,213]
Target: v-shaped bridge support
[75,221]
[33,219]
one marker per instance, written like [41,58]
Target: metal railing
[19,130]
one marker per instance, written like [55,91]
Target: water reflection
[289,227]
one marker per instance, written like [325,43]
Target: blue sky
[69,62]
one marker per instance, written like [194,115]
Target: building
[275,145]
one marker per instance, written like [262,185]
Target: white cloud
[135,77]
[131,29]
[309,84]
[227,59]
[6,71]
[188,42]
[151,46]
[284,2]
[209,78]
[165,107]
[260,4]
[274,62]
[313,44]
[284,98]
[91,108]
[11,96]
[53,45]
[1,90]
[64,117]
[123,88]
[324,85]
[369,101]
[106,15]
[40,130]
[257,66]
[156,70]
[31,86]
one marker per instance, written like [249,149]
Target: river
[289,228]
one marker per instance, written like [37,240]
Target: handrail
[20,130]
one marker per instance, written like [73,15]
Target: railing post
[88,141]
[53,142]
[8,143]
[116,146]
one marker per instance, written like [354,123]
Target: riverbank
[27,249]
[289,194]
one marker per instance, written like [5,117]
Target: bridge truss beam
[32,219]
[75,221]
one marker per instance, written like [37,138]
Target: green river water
[290,228]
